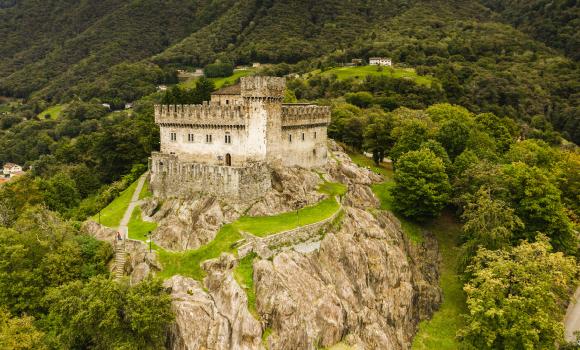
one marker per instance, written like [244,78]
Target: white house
[380,61]
[11,169]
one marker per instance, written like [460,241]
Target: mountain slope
[554,22]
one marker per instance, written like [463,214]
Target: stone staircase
[120,259]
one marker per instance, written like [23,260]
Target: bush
[218,69]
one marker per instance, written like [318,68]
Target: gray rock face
[216,319]
[362,281]
[189,224]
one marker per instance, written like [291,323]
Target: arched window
[228,160]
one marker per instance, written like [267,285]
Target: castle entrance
[228,160]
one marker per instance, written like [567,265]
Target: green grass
[244,275]
[361,72]
[440,331]
[383,191]
[262,226]
[384,169]
[333,189]
[219,82]
[54,112]
[145,192]
[189,263]
[139,229]
[112,214]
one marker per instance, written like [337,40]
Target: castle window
[227,102]
[290,137]
[173,136]
[315,134]
[189,137]
[208,138]
[228,138]
[302,136]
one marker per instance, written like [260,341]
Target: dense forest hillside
[555,23]
[119,51]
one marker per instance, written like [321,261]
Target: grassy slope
[112,215]
[139,229]
[54,112]
[343,73]
[145,192]
[244,275]
[219,82]
[440,331]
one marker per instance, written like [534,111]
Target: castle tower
[263,96]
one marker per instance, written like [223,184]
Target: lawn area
[112,214]
[440,331]
[262,226]
[54,112]
[384,169]
[361,72]
[145,192]
[189,263]
[219,82]
[139,229]
[333,189]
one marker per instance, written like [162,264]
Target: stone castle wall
[171,177]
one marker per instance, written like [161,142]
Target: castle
[225,147]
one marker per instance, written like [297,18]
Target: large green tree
[516,296]
[421,185]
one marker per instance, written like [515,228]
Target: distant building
[186,75]
[380,61]
[11,170]
[128,105]
[162,88]
[106,105]
[256,65]
[357,62]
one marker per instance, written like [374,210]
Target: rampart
[286,238]
[173,178]
[205,114]
[304,115]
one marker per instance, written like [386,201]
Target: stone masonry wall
[171,177]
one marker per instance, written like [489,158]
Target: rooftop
[229,90]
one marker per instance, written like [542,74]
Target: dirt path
[572,319]
[123,227]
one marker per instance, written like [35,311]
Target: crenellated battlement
[212,114]
[303,115]
[263,87]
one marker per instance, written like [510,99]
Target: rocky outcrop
[363,282]
[366,285]
[216,319]
[190,223]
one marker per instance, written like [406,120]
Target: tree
[421,185]
[218,69]
[377,137]
[104,314]
[488,224]
[537,201]
[453,135]
[409,137]
[516,296]
[19,333]
[443,112]
[361,99]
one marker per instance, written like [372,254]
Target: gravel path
[123,227]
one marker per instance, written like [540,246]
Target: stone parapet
[263,87]
[304,115]
[205,114]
